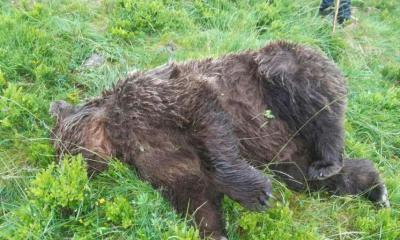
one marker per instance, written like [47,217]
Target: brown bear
[201,129]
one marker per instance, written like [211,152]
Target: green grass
[44,43]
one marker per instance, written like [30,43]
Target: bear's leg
[357,177]
[320,128]
[174,167]
[307,91]
[194,196]
[328,146]
[221,162]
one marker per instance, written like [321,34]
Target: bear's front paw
[321,170]
[254,197]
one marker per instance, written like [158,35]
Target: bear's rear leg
[193,195]
[358,177]
[307,91]
[177,172]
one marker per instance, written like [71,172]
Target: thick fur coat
[202,129]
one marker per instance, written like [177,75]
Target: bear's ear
[60,109]
[97,138]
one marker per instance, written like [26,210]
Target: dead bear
[202,129]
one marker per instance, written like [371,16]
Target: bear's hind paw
[321,170]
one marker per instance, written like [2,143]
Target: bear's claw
[257,199]
[384,201]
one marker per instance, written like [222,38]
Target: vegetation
[43,49]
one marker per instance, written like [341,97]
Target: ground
[74,49]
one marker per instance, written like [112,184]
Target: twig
[336,15]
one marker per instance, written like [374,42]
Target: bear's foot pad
[322,171]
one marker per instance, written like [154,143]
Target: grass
[43,45]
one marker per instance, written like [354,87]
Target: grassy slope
[43,46]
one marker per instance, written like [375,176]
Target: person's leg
[325,7]
[344,11]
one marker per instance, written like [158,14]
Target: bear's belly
[263,142]
[263,137]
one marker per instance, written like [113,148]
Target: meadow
[44,51]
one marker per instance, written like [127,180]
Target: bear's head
[82,129]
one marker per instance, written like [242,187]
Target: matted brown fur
[201,129]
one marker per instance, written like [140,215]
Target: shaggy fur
[199,130]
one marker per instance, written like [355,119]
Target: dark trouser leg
[328,6]
[344,11]
[325,4]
